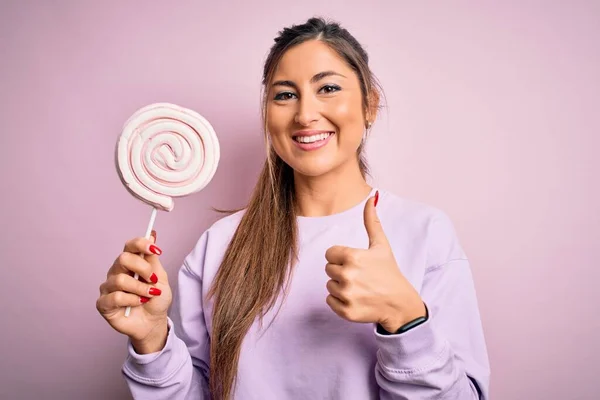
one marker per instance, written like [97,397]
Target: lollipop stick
[148,232]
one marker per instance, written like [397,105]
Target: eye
[330,89]
[284,96]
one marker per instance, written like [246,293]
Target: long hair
[258,263]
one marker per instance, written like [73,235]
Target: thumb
[373,224]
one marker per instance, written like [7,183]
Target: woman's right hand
[149,297]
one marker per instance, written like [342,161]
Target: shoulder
[420,223]
[418,215]
[220,233]
[212,244]
[227,225]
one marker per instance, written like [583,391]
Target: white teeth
[313,138]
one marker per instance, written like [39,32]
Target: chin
[312,169]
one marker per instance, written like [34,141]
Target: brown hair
[257,265]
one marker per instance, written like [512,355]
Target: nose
[308,111]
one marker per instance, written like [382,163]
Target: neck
[331,193]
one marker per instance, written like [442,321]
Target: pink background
[492,116]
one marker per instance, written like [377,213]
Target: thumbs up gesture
[367,285]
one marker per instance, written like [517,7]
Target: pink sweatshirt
[308,352]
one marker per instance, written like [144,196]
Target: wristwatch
[406,327]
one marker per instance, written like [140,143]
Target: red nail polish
[153,278]
[144,299]
[155,291]
[155,250]
[376,198]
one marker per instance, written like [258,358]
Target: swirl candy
[166,151]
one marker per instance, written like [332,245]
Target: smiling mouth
[313,138]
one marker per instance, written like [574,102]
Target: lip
[315,145]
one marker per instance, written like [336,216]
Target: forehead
[303,61]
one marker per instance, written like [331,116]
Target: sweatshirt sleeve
[180,370]
[445,357]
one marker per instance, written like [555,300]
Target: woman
[258,296]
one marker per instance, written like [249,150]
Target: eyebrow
[316,78]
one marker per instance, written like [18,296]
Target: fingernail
[154,291]
[155,250]
[153,234]
[144,299]
[153,278]
[376,198]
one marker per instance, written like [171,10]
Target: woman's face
[315,113]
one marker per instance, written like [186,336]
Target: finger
[373,224]
[335,289]
[342,274]
[157,269]
[115,300]
[336,255]
[126,283]
[337,306]
[128,262]
[142,245]
[334,271]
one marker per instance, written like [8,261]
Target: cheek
[347,116]
[347,109]
[277,119]
[278,125]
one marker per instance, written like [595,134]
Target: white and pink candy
[166,151]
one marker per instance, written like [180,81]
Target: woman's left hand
[367,285]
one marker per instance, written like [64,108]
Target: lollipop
[166,151]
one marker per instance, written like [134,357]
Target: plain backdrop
[492,116]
